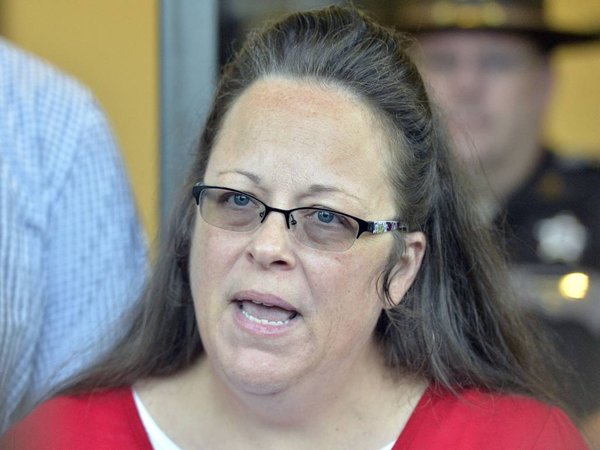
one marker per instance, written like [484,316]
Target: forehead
[301,104]
[297,133]
[476,42]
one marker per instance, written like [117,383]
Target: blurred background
[153,65]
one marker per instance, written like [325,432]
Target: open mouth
[265,314]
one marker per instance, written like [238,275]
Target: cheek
[198,258]
[439,88]
[510,95]
[209,260]
[349,291]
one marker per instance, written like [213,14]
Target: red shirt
[109,420]
[106,420]
[478,420]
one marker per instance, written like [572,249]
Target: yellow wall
[574,119]
[112,46]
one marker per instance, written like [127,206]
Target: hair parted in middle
[457,326]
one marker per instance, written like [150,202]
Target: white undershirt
[160,441]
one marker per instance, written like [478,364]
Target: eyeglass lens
[316,228]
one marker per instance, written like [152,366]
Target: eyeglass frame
[364,226]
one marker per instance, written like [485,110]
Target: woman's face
[271,311]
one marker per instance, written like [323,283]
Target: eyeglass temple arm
[196,191]
[383,226]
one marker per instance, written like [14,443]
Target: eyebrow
[323,188]
[253,177]
[313,188]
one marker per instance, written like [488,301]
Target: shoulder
[27,78]
[574,165]
[556,176]
[45,115]
[107,419]
[564,175]
[42,106]
[477,419]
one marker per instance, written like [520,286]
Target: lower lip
[262,329]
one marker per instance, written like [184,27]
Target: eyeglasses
[318,228]
[490,63]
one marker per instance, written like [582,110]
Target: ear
[545,85]
[407,268]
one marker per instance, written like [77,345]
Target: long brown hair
[458,326]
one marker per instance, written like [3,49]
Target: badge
[561,239]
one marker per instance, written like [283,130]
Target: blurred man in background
[487,63]
[72,251]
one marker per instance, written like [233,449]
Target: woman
[327,287]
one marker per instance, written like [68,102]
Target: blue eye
[241,200]
[440,62]
[325,216]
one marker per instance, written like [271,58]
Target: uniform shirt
[72,253]
[554,218]
[473,420]
[553,229]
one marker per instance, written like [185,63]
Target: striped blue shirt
[72,252]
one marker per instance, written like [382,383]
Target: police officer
[487,65]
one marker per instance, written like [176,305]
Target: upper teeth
[259,303]
[263,321]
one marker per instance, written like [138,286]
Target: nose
[271,244]
[467,82]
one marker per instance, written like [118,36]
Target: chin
[257,373]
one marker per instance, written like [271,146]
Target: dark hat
[520,16]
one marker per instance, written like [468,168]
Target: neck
[367,406]
[503,178]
